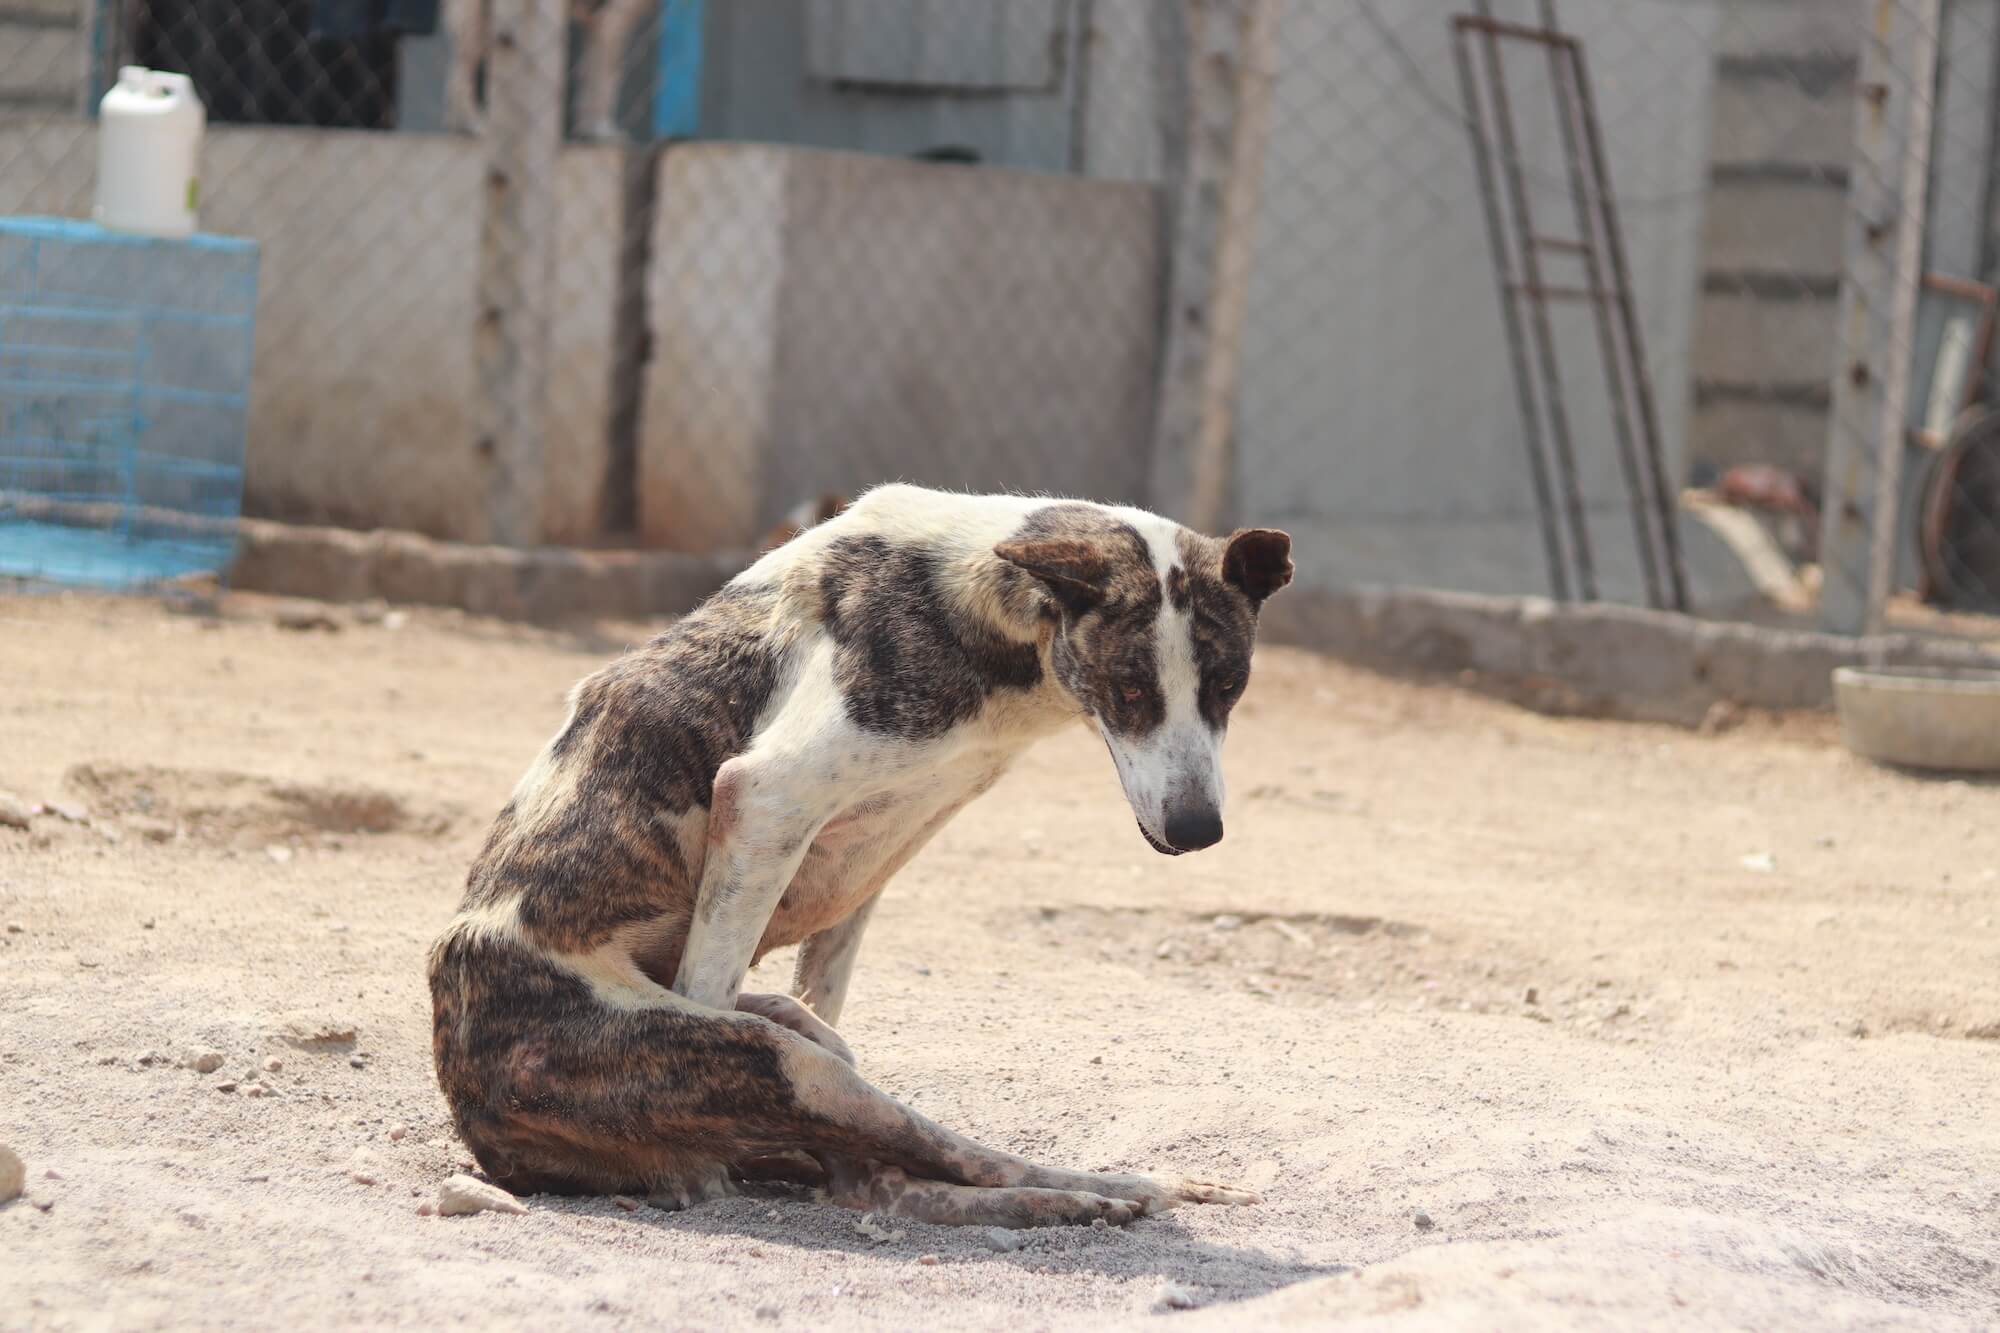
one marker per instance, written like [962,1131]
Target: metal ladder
[1518,250]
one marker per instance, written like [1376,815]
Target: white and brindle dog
[752,778]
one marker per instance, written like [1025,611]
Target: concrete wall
[361,402]
[824,321]
[1377,415]
[43,57]
[1107,110]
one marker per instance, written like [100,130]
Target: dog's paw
[1155,1195]
[788,1013]
[1200,1191]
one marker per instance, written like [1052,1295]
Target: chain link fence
[1699,291]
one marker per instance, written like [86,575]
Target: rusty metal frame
[1599,244]
[1933,577]
[1986,299]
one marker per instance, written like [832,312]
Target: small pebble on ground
[461,1196]
[13,1175]
[875,1231]
[151,829]
[313,1032]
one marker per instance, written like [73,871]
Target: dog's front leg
[826,961]
[760,824]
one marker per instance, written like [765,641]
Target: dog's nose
[1192,830]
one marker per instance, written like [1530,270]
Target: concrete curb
[537,584]
[1593,659]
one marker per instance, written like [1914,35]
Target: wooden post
[104,23]
[1881,268]
[525,67]
[1230,47]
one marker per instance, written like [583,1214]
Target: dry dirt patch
[243,809]
[1307,958]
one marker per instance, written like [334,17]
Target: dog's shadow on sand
[768,1220]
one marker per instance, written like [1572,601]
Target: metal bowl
[1921,717]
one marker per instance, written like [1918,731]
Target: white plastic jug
[148,144]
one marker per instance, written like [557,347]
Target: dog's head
[1154,628]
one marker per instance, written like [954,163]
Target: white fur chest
[862,846]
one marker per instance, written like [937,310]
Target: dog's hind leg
[894,1193]
[563,1084]
[870,1142]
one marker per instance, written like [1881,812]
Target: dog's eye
[1132,694]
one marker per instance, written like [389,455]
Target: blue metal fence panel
[124,396]
[677,95]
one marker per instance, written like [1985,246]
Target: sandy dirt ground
[1515,1021]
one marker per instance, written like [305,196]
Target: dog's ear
[1074,571]
[1259,561]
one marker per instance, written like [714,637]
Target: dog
[607,29]
[752,778]
[804,515]
[1787,499]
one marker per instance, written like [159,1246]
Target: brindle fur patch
[910,664]
[554,1092]
[644,741]
[1126,563]
[1106,648]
